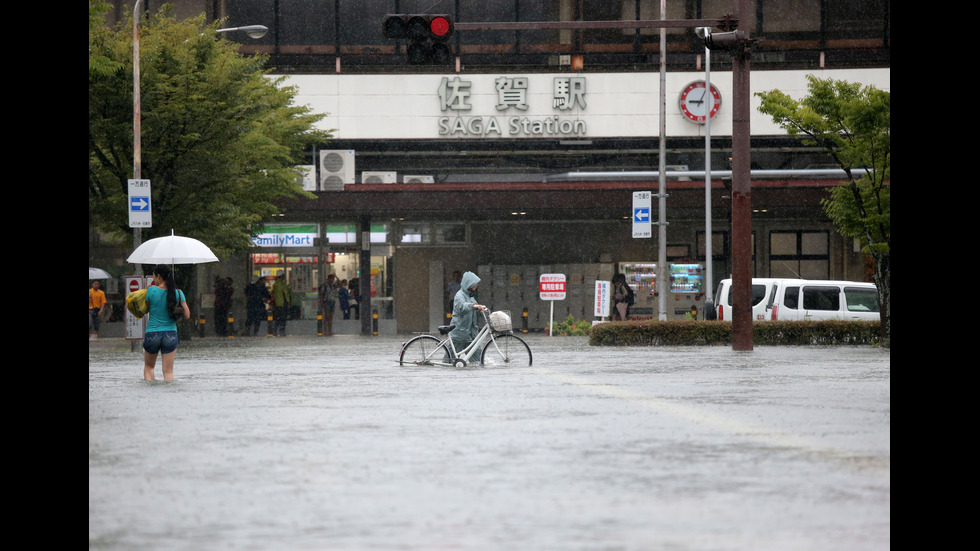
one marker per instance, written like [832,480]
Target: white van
[762,296]
[816,299]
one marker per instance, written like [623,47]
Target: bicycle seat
[443,329]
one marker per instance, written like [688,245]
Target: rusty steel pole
[741,191]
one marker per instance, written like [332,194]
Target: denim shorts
[160,341]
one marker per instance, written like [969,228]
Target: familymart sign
[286,235]
[564,96]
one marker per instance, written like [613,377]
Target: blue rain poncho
[465,317]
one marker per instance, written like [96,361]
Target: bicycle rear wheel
[508,350]
[424,350]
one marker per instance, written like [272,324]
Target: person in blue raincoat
[466,313]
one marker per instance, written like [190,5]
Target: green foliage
[691,333]
[220,139]
[853,124]
[571,328]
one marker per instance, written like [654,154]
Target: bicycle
[500,346]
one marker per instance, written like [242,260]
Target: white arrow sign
[641,214]
[140,211]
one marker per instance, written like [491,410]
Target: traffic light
[427,35]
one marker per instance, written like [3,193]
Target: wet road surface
[328,444]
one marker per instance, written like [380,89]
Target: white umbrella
[98,273]
[172,249]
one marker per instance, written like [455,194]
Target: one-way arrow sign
[641,214]
[139,203]
[140,215]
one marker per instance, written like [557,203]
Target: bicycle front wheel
[425,350]
[506,350]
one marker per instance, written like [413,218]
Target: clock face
[697,102]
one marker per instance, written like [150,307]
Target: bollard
[269,334]
[231,325]
[524,320]
[200,326]
[319,323]
[374,322]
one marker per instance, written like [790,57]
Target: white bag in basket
[500,321]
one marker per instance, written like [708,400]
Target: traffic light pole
[737,42]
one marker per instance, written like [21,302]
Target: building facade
[522,155]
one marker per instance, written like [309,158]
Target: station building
[523,153]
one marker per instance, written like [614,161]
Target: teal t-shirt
[159,315]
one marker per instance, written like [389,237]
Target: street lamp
[705,34]
[253,31]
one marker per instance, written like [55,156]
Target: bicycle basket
[500,321]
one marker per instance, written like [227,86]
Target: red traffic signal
[418,26]
[426,33]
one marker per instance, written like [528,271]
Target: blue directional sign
[642,226]
[139,204]
[140,213]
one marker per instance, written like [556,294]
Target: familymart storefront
[308,252]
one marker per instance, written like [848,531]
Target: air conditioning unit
[307,177]
[679,168]
[416,179]
[336,168]
[379,177]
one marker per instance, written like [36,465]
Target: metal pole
[662,178]
[707,175]
[364,307]
[137,130]
[741,195]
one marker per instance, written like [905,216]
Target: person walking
[465,315]
[329,290]
[622,298]
[256,298]
[222,304]
[355,292]
[282,296]
[96,306]
[166,305]
[345,299]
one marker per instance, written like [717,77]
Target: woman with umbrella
[167,304]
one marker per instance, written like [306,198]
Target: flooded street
[328,444]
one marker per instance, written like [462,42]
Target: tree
[853,124]
[220,139]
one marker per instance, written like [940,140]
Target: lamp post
[705,32]
[253,31]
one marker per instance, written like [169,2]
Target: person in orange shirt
[96,304]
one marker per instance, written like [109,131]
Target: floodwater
[305,443]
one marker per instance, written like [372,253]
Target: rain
[312,443]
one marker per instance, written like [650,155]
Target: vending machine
[685,290]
